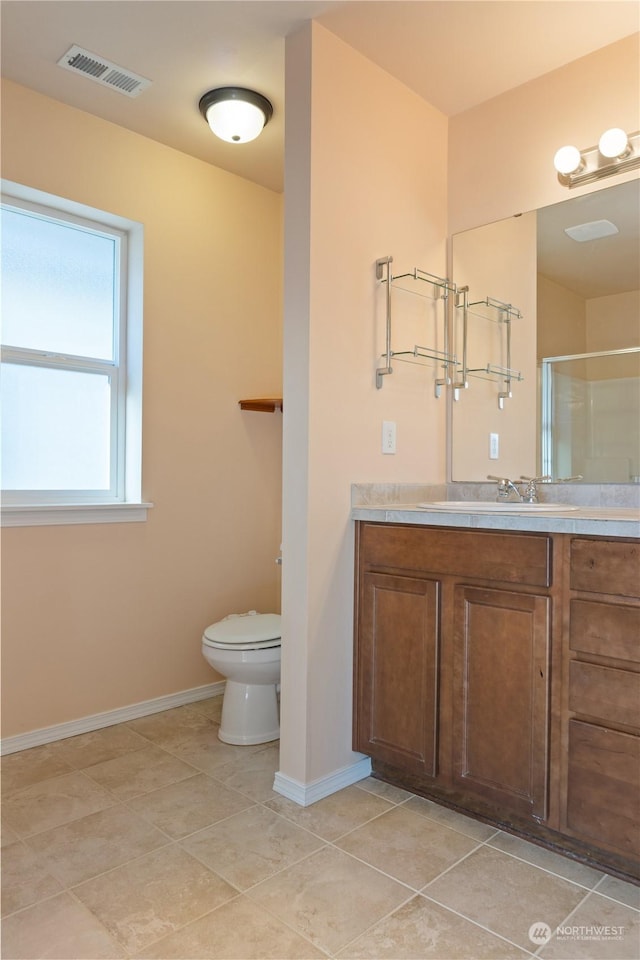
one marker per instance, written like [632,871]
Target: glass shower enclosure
[590,416]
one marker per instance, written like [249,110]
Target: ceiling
[595,268]
[454,53]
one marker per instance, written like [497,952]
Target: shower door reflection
[590,416]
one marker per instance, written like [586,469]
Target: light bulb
[567,160]
[235,121]
[613,143]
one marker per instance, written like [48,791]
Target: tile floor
[154,839]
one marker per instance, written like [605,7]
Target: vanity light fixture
[616,152]
[235,114]
[614,144]
[568,160]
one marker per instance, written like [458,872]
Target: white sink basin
[492,506]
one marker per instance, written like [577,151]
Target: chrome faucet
[508,491]
[530,494]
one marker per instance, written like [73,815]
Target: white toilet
[245,648]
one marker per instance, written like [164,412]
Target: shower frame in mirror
[581,434]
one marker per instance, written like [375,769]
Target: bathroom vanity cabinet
[498,672]
[603,695]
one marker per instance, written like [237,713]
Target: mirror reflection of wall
[497,261]
[586,298]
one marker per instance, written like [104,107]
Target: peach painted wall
[613,322]
[567,323]
[561,320]
[365,177]
[97,617]
[501,152]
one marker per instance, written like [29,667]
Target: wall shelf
[493,372]
[498,312]
[494,310]
[262,405]
[426,285]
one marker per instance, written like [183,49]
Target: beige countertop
[584,519]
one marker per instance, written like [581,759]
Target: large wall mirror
[572,271]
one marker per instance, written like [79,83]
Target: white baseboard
[305,794]
[23,741]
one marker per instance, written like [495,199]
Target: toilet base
[249,713]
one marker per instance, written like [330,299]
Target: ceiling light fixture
[616,152]
[235,114]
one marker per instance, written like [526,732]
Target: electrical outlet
[388,436]
[494,446]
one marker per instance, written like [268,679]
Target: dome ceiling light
[235,114]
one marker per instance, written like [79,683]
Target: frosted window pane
[55,429]
[58,287]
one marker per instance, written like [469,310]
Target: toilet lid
[245,629]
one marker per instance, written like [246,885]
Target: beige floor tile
[184,821]
[212,707]
[57,929]
[87,847]
[423,930]
[617,889]
[206,752]
[251,846]
[408,847]
[329,898]
[239,930]
[598,930]
[172,727]
[50,803]
[25,880]
[189,805]
[7,834]
[145,900]
[253,774]
[335,815]
[450,818]
[20,770]
[504,894]
[136,773]
[97,746]
[385,790]
[547,859]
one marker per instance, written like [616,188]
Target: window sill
[38,515]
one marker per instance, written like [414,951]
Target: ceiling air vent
[103,71]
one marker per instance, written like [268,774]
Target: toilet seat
[245,631]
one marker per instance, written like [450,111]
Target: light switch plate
[388,436]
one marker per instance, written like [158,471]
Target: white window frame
[124,501]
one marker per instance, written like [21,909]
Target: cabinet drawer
[604,777]
[604,693]
[605,629]
[503,557]
[606,566]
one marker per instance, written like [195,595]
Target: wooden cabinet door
[501,696]
[604,787]
[396,687]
